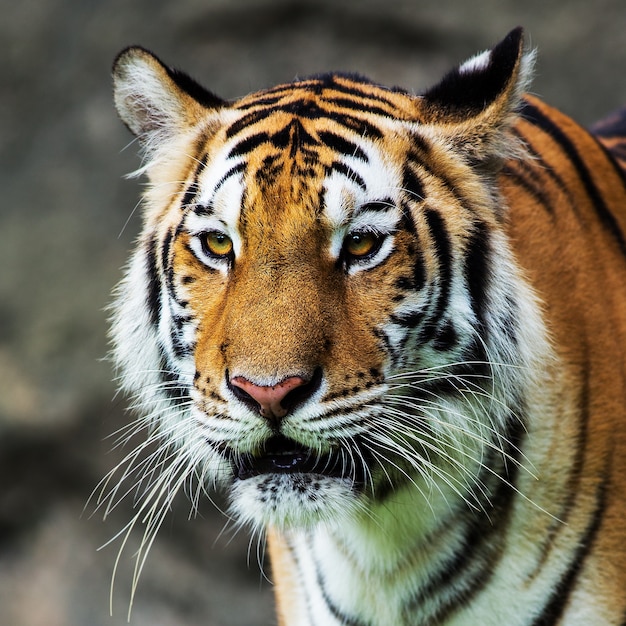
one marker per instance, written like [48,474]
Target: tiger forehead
[290,156]
[316,115]
[330,93]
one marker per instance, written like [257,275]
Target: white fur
[477,63]
[341,535]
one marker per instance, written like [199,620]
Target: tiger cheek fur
[380,322]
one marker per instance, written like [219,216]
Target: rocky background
[67,223]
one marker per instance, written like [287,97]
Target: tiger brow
[376,206]
[204,210]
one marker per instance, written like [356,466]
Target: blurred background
[67,224]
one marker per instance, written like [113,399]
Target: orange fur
[499,230]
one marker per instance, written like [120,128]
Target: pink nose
[269,399]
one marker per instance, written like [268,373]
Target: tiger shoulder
[392,328]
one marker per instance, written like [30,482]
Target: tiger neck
[402,560]
[366,571]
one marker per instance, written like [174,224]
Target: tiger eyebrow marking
[233,171]
[203,210]
[190,194]
[376,206]
[348,172]
[192,190]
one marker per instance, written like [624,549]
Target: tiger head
[322,307]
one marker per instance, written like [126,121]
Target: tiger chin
[392,328]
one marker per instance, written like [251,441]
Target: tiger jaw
[285,483]
[292,500]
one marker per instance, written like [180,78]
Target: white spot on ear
[477,63]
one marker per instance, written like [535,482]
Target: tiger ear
[476,103]
[155,101]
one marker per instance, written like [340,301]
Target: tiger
[391,328]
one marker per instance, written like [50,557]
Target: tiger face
[311,316]
[390,327]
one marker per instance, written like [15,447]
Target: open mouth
[281,455]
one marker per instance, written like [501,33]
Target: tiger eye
[217,244]
[361,244]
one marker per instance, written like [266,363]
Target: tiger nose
[273,402]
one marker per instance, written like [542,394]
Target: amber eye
[359,245]
[217,244]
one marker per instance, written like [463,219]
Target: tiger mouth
[281,455]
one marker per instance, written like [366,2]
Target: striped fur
[440,282]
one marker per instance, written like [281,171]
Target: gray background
[64,235]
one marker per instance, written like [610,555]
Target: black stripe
[412,184]
[453,189]
[281,138]
[359,105]
[468,569]
[475,354]
[359,87]
[204,210]
[408,221]
[536,117]
[407,320]
[471,567]
[248,144]
[190,193]
[477,270]
[153,300]
[307,110]
[342,145]
[508,320]
[529,175]
[244,122]
[166,246]
[269,170]
[378,205]
[443,247]
[360,126]
[570,505]
[233,171]
[421,144]
[446,337]
[526,178]
[180,348]
[414,251]
[405,283]
[271,95]
[556,605]
[340,616]
[394,354]
[264,100]
[304,108]
[192,190]
[172,386]
[348,172]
